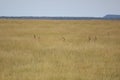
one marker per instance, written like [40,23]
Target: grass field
[59,50]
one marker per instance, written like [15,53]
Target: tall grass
[59,50]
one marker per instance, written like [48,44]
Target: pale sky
[80,8]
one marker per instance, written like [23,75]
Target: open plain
[59,49]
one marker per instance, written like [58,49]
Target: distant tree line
[107,17]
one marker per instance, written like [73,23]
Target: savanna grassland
[59,50]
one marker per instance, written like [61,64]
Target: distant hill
[109,16]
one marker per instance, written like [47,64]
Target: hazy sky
[59,7]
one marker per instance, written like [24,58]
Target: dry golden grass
[59,50]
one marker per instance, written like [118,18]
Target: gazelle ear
[63,38]
[89,38]
[95,38]
[34,36]
[38,37]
